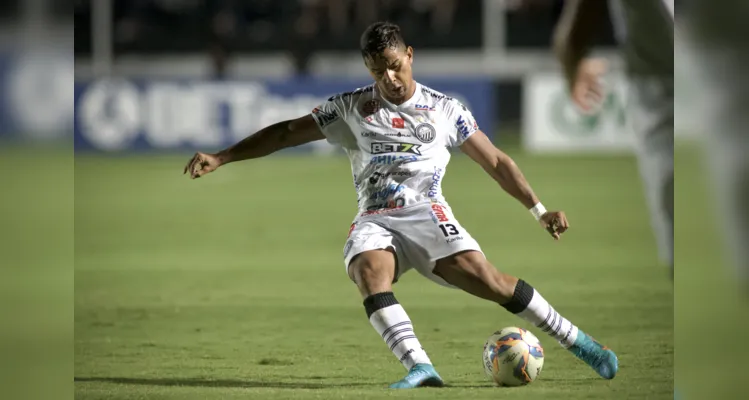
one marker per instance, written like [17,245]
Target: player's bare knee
[369,271]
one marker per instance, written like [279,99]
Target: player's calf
[472,272]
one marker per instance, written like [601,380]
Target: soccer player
[397,134]
[645,30]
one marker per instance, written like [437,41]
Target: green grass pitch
[232,286]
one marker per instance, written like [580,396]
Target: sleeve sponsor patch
[325,118]
[465,126]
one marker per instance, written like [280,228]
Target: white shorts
[421,234]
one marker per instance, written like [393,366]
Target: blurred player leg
[720,55]
[471,272]
[730,170]
[727,144]
[651,117]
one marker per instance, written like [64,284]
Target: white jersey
[399,153]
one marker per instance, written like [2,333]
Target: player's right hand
[201,164]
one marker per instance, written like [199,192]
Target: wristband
[538,210]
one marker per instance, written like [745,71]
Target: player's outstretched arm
[266,141]
[576,32]
[502,168]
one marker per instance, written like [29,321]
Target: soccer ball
[513,357]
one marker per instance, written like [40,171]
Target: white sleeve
[331,118]
[464,124]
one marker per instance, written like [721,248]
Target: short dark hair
[380,36]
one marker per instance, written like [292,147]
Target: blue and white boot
[420,375]
[599,357]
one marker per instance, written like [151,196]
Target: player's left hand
[587,87]
[555,222]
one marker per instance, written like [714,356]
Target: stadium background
[232,286]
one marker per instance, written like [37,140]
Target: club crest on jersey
[370,107]
[425,133]
[424,107]
[395,147]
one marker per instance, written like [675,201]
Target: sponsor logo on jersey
[424,107]
[391,159]
[395,147]
[425,133]
[365,89]
[434,188]
[375,177]
[439,212]
[464,128]
[435,94]
[368,134]
[347,248]
[398,134]
[370,107]
[454,239]
[399,123]
[325,118]
[388,205]
[387,192]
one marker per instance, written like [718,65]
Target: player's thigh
[729,170]
[432,233]
[651,118]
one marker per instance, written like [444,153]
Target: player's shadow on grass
[565,381]
[220,383]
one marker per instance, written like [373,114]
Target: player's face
[391,70]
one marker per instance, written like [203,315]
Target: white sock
[393,324]
[540,313]
[529,305]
